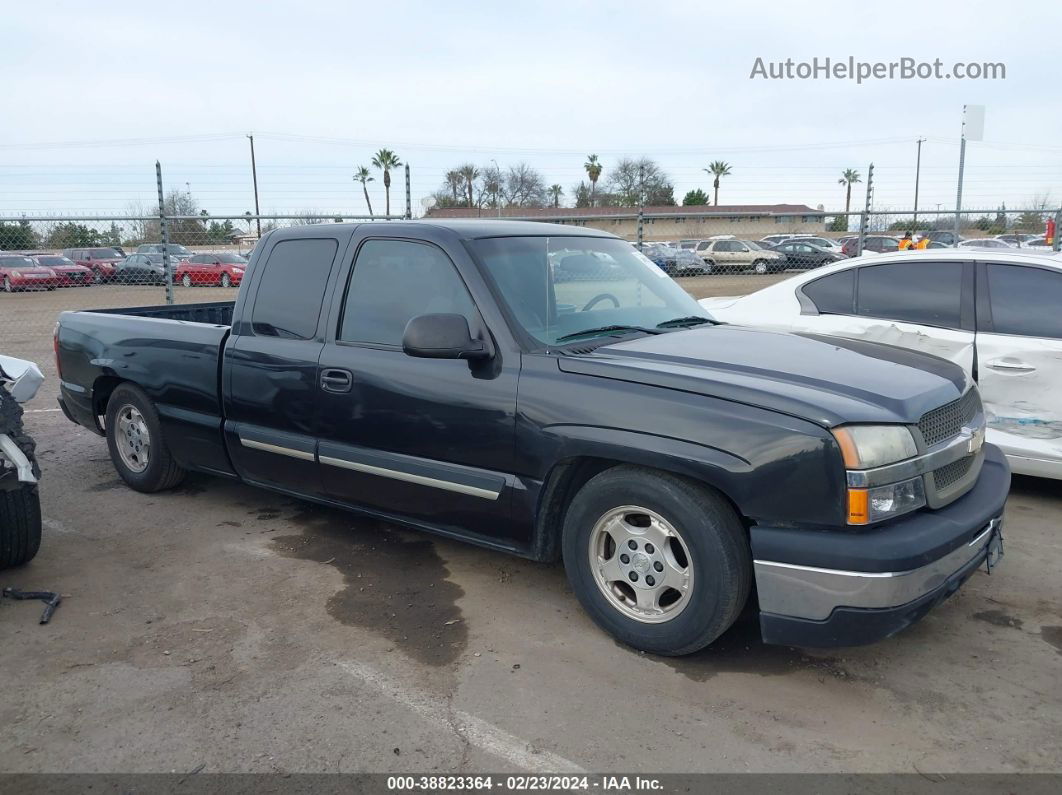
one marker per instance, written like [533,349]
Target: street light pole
[254,177]
[918,174]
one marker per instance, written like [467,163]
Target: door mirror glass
[441,336]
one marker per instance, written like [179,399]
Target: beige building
[750,221]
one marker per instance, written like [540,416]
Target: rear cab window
[291,288]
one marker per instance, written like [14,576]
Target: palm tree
[556,191]
[848,178]
[385,160]
[363,176]
[469,174]
[453,182]
[593,170]
[717,168]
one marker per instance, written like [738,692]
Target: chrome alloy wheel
[132,438]
[641,564]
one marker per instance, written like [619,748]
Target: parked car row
[36,270]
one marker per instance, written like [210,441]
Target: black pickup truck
[549,392]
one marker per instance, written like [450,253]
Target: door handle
[334,380]
[1013,366]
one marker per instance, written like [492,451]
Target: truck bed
[217,313]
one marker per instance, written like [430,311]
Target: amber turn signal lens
[858,506]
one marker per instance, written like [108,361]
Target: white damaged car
[998,314]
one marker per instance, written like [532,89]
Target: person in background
[907,241]
[923,243]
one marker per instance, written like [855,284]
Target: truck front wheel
[658,561]
[134,438]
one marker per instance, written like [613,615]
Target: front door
[429,440]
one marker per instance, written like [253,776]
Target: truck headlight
[869,446]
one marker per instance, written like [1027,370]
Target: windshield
[104,253]
[753,246]
[557,287]
[17,262]
[54,261]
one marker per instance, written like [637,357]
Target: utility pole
[918,174]
[254,176]
[865,217]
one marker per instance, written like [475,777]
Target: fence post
[165,236]
[865,217]
[409,202]
[1057,239]
[640,220]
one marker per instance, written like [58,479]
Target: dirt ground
[229,627]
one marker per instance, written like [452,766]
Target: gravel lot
[230,627]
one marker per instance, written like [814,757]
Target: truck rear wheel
[20,525]
[137,446]
[657,560]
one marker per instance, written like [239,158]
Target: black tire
[719,557]
[226,280]
[162,472]
[20,525]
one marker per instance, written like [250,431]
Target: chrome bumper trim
[813,593]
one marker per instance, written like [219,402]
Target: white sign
[973,127]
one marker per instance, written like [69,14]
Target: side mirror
[442,337]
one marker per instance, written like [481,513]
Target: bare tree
[640,182]
[524,187]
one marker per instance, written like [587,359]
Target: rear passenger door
[270,373]
[1019,350]
[923,305]
[428,440]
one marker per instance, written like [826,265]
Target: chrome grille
[952,473]
[945,422]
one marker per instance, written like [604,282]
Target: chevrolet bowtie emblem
[977,439]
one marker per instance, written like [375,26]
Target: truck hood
[826,380]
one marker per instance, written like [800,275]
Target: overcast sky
[324,84]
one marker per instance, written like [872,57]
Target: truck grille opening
[945,422]
[950,474]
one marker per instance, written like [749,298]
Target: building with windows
[751,221]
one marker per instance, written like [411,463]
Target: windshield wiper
[683,322]
[607,329]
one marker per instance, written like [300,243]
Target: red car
[18,272]
[222,270]
[102,261]
[70,274]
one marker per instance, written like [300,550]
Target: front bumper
[844,588]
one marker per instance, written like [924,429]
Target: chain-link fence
[52,264]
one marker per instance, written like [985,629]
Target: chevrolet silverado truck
[438,375]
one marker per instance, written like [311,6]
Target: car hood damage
[825,380]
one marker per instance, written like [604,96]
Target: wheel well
[102,389]
[564,482]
